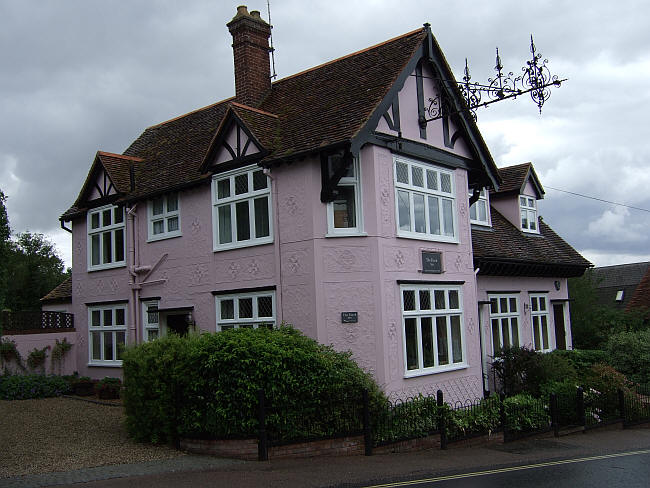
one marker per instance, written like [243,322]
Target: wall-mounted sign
[431,262]
[349,317]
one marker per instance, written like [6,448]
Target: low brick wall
[247,448]
[429,442]
[478,441]
[236,448]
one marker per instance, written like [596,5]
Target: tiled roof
[514,177]
[332,102]
[619,275]
[626,278]
[61,293]
[318,107]
[515,252]
[641,297]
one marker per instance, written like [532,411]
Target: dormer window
[619,296]
[528,211]
[478,212]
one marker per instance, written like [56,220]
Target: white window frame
[354,182]
[232,200]
[236,322]
[164,217]
[483,200]
[111,229]
[148,325]
[103,330]
[431,313]
[414,190]
[504,318]
[528,211]
[540,316]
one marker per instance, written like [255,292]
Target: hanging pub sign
[431,262]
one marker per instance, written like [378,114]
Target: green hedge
[206,385]
[22,387]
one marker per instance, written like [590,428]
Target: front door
[558,317]
[178,324]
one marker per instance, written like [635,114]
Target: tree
[35,269]
[5,245]
[591,322]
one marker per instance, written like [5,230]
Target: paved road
[629,469]
[360,471]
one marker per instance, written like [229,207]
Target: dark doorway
[178,324]
[558,317]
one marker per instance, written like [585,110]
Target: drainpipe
[480,303]
[278,254]
[131,265]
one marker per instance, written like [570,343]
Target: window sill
[103,267]
[445,369]
[162,237]
[228,247]
[346,234]
[108,364]
[425,237]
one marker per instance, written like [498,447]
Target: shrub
[108,388]
[629,353]
[206,385]
[482,418]
[21,387]
[583,359]
[36,358]
[525,413]
[9,352]
[413,418]
[522,370]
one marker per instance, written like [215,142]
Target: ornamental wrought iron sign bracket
[536,80]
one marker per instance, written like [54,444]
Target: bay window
[425,201]
[344,212]
[432,318]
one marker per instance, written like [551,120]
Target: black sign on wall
[349,317]
[431,262]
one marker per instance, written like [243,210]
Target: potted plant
[83,386]
[108,388]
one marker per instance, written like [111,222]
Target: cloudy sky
[77,76]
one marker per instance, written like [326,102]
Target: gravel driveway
[61,434]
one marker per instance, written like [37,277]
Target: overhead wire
[597,199]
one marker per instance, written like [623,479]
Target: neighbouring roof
[62,293]
[504,250]
[609,280]
[304,113]
[514,178]
[641,297]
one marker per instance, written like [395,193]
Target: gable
[236,142]
[101,187]
[399,121]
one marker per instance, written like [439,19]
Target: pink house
[325,201]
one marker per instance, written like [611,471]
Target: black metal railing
[21,322]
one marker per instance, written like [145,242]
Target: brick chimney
[250,45]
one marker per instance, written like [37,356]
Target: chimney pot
[250,35]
